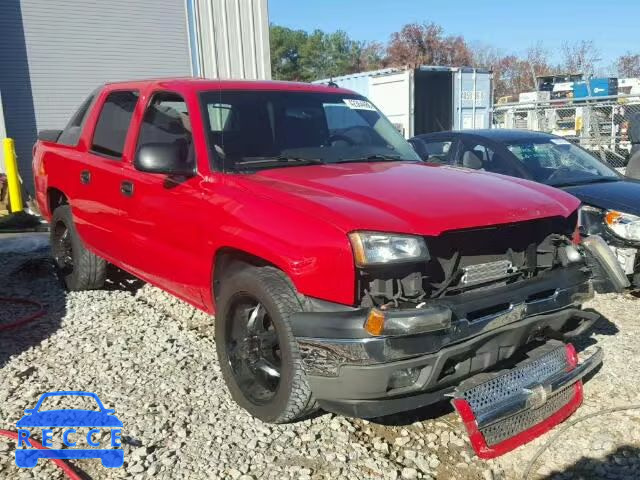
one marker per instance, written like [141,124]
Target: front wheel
[258,354]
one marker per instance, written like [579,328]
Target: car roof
[496,134]
[201,84]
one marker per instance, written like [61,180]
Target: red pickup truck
[343,272]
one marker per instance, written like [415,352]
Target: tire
[292,398]
[78,267]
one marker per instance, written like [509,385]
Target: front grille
[486,272]
[482,398]
[474,258]
[521,421]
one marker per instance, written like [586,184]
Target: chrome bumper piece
[535,394]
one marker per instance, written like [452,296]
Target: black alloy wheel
[253,349]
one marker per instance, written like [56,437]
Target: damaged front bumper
[507,409]
[354,373]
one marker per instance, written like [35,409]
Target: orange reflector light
[358,249]
[611,217]
[375,322]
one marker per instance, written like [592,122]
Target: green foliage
[302,56]
[285,52]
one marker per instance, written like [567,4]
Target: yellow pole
[13,180]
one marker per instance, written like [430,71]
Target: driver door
[166,214]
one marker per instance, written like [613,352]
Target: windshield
[558,162]
[249,130]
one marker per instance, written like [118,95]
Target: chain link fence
[598,124]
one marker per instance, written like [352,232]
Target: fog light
[403,378]
[573,255]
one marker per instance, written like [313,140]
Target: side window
[71,133]
[113,123]
[478,156]
[166,121]
[439,151]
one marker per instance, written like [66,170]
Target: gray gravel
[152,358]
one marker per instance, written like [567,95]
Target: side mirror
[164,158]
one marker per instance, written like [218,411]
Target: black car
[611,201]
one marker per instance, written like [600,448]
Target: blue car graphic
[105,418]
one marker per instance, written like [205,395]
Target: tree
[298,55]
[367,56]
[579,57]
[285,52]
[628,65]
[512,73]
[424,44]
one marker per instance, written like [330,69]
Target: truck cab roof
[199,84]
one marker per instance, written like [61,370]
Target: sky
[510,25]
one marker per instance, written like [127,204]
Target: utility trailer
[426,99]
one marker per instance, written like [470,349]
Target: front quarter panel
[313,253]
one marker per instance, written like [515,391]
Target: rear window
[113,123]
[71,133]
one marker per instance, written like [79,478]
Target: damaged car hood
[408,197]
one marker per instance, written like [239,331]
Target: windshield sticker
[560,141]
[356,104]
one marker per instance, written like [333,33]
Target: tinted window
[113,123]
[166,121]
[71,133]
[269,129]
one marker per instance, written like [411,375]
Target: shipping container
[426,99]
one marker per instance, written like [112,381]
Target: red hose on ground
[64,466]
[24,320]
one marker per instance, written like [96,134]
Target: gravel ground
[153,359]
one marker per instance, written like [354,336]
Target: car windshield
[558,162]
[253,130]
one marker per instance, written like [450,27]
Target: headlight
[624,225]
[371,248]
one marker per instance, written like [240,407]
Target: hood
[623,195]
[407,197]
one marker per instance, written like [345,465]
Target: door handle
[85,177]
[126,188]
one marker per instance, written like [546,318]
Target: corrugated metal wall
[232,38]
[55,52]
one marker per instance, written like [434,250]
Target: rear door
[472,96]
[166,215]
[97,206]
